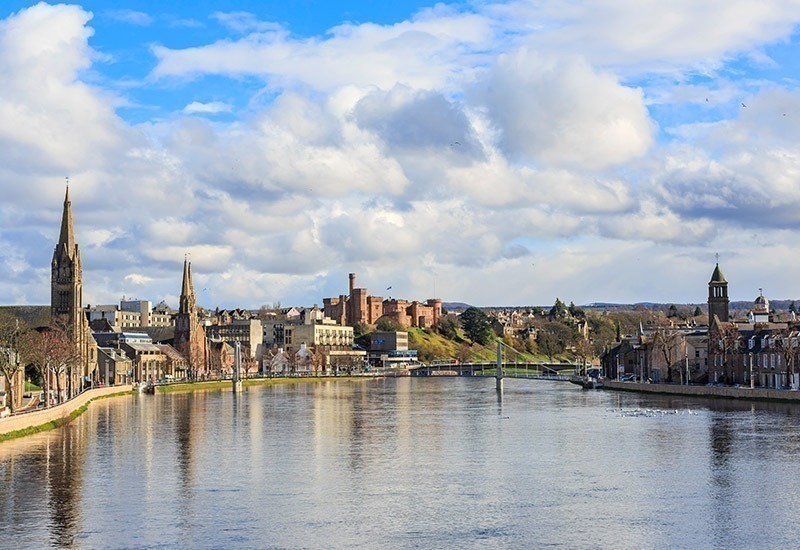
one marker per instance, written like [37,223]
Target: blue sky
[512,152]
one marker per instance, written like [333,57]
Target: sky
[493,153]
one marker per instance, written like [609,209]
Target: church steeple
[188,300]
[718,302]
[67,236]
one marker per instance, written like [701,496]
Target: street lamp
[752,381]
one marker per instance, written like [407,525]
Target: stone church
[66,304]
[190,336]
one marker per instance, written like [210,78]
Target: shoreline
[15,427]
[714,392]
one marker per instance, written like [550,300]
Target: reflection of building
[66,301]
[359,307]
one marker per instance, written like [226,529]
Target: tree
[575,311]
[11,363]
[672,311]
[477,326]
[698,311]
[549,344]
[665,339]
[793,307]
[786,342]
[464,353]
[52,354]
[558,310]
[360,328]
[387,324]
[448,327]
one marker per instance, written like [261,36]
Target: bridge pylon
[499,375]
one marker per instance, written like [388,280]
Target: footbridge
[528,369]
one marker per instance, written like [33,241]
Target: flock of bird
[650,413]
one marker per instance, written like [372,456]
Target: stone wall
[707,391]
[43,416]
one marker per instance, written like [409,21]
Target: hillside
[432,346]
[33,316]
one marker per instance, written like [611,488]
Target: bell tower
[718,302]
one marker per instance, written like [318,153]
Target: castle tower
[718,302]
[66,299]
[190,337]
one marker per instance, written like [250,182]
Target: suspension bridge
[501,368]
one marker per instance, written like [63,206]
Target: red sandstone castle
[359,307]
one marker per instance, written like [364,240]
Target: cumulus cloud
[544,113]
[428,52]
[471,155]
[210,108]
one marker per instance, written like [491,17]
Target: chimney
[352,282]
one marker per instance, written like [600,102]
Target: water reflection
[406,463]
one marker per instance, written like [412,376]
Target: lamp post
[686,359]
[752,381]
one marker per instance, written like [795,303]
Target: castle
[361,308]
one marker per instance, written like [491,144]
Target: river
[408,463]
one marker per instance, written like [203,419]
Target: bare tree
[786,342]
[584,350]
[665,338]
[52,353]
[11,361]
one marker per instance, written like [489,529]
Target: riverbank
[12,427]
[720,392]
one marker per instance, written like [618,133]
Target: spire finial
[717,257]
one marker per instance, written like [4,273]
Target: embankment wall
[43,416]
[767,394]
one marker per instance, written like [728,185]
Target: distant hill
[33,316]
[455,307]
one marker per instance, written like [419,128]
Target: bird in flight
[743,105]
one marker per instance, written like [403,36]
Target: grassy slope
[436,346]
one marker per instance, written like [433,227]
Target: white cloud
[423,53]
[497,160]
[211,108]
[130,16]
[561,111]
[138,278]
[244,22]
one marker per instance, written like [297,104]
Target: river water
[408,463]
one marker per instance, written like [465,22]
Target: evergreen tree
[698,311]
[558,309]
[476,325]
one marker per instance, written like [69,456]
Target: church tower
[718,302]
[66,298]
[190,337]
[66,281]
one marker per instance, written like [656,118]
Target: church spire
[67,236]
[188,299]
